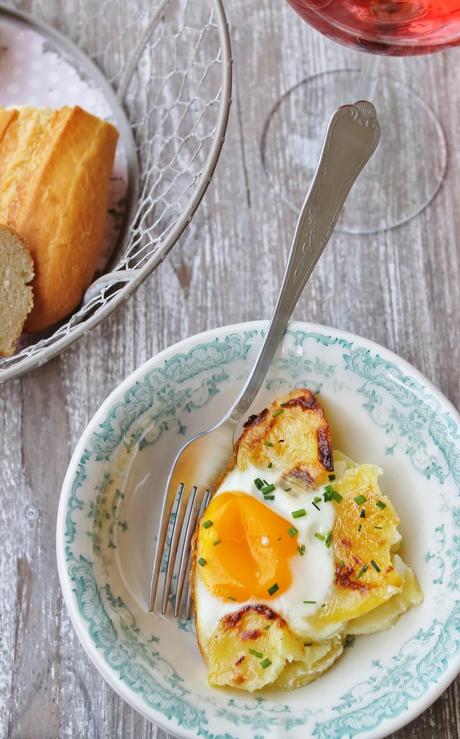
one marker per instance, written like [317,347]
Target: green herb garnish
[268,443]
[270,465]
[301,549]
[273,588]
[336,496]
[269,497]
[278,412]
[256,653]
[328,541]
[319,536]
[207,524]
[265,663]
[202,561]
[292,531]
[375,566]
[331,477]
[258,483]
[309,602]
[380,504]
[216,542]
[362,513]
[360,499]
[363,569]
[299,513]
[266,489]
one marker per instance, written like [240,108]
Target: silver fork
[351,138]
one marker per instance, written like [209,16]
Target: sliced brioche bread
[16,297]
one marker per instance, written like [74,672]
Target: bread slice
[16,296]
[55,168]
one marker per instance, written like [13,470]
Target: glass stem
[369,76]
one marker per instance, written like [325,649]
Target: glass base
[402,177]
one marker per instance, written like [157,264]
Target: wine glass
[408,168]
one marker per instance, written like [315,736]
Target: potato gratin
[295,553]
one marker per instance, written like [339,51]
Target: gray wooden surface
[400,288]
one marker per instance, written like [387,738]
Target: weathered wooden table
[399,287]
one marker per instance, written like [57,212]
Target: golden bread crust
[55,169]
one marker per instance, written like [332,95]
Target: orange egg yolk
[244,548]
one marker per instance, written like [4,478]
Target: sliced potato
[364,536]
[318,657]
[292,434]
[250,648]
[385,615]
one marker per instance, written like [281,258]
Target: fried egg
[290,552]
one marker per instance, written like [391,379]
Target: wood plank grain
[399,288]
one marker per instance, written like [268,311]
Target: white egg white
[312,573]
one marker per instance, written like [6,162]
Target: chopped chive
[378,527]
[202,561]
[317,499]
[331,477]
[349,641]
[319,536]
[301,549]
[216,542]
[360,527]
[328,541]
[265,663]
[267,489]
[278,412]
[316,506]
[299,513]
[360,499]
[269,497]
[273,588]
[308,602]
[230,597]
[336,496]
[283,405]
[287,490]
[207,524]
[375,566]
[381,504]
[270,465]
[308,643]
[266,628]
[363,569]
[341,563]
[268,443]
[362,513]
[292,531]
[258,483]
[256,653]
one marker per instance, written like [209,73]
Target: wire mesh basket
[165,76]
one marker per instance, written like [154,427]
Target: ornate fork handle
[351,139]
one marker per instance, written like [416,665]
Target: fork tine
[190,523]
[196,509]
[175,536]
[195,515]
[166,510]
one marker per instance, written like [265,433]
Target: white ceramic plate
[381,410]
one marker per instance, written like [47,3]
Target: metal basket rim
[48,353]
